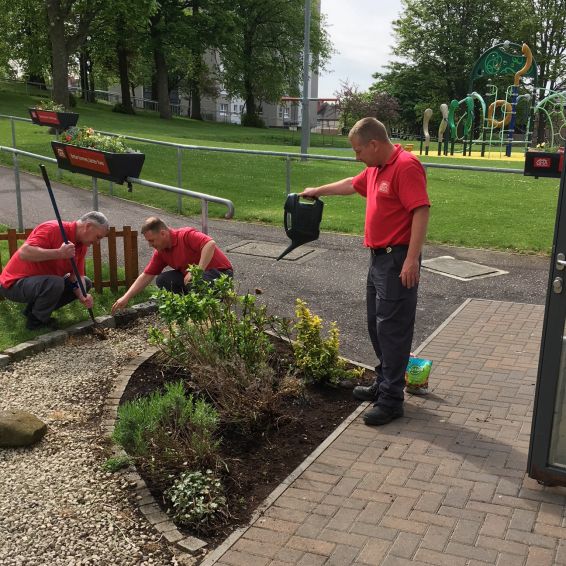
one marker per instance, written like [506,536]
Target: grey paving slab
[448,265]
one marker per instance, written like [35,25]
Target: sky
[361,32]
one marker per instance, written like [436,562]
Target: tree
[263,60]
[24,40]
[438,42]
[355,105]
[68,24]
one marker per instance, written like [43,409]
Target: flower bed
[84,151]
[60,120]
[225,411]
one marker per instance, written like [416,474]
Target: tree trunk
[162,83]
[83,76]
[90,77]
[196,113]
[161,78]
[124,80]
[60,57]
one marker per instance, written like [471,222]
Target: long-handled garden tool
[97,329]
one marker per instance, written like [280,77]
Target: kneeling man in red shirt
[40,273]
[178,248]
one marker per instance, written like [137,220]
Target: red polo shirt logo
[384,187]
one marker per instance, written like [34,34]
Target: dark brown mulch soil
[258,464]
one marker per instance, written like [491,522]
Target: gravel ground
[57,505]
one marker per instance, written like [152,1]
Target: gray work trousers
[391,311]
[42,293]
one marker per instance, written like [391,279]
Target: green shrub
[166,432]
[72,100]
[252,121]
[316,357]
[123,109]
[220,337]
[197,500]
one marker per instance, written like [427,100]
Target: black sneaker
[363,393]
[379,415]
[34,323]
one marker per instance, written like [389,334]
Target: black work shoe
[363,393]
[27,310]
[33,323]
[379,415]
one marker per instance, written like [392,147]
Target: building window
[223,108]
[235,107]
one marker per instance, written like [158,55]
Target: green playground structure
[496,124]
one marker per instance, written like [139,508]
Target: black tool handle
[63,234]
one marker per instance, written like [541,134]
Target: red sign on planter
[87,159]
[543,164]
[115,167]
[59,120]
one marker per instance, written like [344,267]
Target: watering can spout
[289,249]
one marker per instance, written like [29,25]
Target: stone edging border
[45,341]
[146,502]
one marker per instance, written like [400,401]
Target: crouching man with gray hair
[40,274]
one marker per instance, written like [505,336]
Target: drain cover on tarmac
[460,269]
[271,251]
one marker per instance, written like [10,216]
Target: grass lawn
[472,209]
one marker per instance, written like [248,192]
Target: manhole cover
[460,269]
[271,251]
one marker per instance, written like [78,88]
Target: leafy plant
[48,104]
[220,337]
[316,357]
[87,137]
[197,500]
[167,431]
[116,463]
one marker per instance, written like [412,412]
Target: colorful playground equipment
[496,125]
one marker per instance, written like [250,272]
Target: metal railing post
[94,193]
[204,216]
[17,180]
[288,174]
[179,180]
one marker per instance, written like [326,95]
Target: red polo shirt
[48,236]
[392,192]
[186,245]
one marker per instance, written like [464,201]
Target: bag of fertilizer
[416,375]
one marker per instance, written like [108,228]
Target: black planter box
[113,167]
[59,120]
[544,163]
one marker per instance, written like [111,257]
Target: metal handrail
[203,197]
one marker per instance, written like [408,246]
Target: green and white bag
[416,375]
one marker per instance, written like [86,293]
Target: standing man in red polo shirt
[40,273]
[397,211]
[179,249]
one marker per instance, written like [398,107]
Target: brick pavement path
[446,484]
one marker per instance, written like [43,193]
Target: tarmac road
[332,282]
